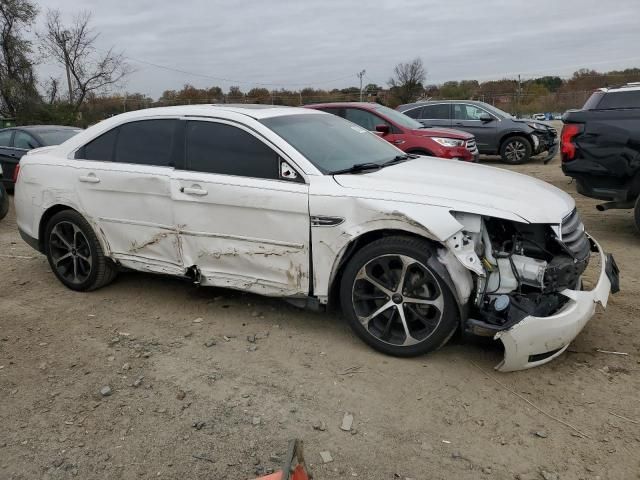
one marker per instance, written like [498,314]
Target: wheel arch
[370,236]
[514,133]
[60,207]
[420,151]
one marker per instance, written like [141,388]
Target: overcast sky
[324,43]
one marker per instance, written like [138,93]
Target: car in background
[600,147]
[4,199]
[539,116]
[496,132]
[16,141]
[303,205]
[405,133]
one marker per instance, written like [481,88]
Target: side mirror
[485,117]
[382,128]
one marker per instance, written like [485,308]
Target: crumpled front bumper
[535,341]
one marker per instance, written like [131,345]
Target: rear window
[622,99]
[56,137]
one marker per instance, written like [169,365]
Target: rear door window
[227,150]
[147,142]
[622,99]
[436,112]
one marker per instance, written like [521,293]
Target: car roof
[408,106]
[629,87]
[365,105]
[256,111]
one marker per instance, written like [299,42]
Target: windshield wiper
[398,159]
[358,167]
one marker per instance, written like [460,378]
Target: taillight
[16,171]
[567,146]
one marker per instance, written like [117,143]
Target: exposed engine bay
[525,267]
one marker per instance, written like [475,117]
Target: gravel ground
[152,377]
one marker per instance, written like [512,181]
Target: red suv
[404,132]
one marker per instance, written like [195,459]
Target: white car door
[123,180]
[243,216]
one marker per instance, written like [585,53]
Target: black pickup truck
[600,147]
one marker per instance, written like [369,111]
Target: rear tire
[395,298]
[4,201]
[75,254]
[636,213]
[515,150]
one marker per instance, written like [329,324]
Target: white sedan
[304,205]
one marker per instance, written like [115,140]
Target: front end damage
[526,284]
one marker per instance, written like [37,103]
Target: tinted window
[101,148]
[467,112]
[398,117]
[593,101]
[436,112]
[148,142]
[629,99]
[413,113]
[5,138]
[24,140]
[363,118]
[331,143]
[224,149]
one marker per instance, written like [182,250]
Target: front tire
[516,150]
[395,298]
[75,254]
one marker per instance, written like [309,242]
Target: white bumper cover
[530,342]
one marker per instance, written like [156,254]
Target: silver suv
[496,132]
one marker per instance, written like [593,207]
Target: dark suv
[601,147]
[496,132]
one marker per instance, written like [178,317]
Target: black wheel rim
[397,300]
[515,151]
[70,252]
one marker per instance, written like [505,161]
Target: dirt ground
[181,409]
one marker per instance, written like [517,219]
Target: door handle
[459,124]
[91,178]
[195,190]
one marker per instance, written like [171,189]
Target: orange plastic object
[294,466]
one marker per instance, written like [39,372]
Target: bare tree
[87,69]
[407,81]
[17,80]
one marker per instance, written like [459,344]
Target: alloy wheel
[397,300]
[515,151]
[70,252]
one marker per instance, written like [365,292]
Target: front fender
[361,216]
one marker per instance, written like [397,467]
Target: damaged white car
[304,205]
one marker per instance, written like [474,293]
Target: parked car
[601,147]
[496,132]
[539,116]
[296,203]
[16,141]
[404,132]
[4,198]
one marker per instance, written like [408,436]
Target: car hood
[441,132]
[464,187]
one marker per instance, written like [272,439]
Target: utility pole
[518,101]
[360,75]
[65,38]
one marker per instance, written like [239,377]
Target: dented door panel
[131,208]
[244,233]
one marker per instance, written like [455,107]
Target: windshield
[497,111]
[398,117]
[56,137]
[331,143]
